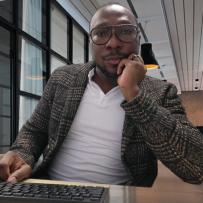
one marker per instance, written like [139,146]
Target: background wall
[193,103]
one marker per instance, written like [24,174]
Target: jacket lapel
[74,96]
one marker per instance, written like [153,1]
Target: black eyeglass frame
[113,27]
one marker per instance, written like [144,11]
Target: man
[106,121]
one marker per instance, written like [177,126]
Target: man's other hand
[13,168]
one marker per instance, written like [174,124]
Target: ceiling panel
[102,2]
[198,45]
[162,49]
[155,30]
[189,27]
[147,8]
[180,22]
[83,8]
[169,13]
[184,21]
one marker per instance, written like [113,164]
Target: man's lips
[114,60]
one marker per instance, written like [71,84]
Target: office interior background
[37,36]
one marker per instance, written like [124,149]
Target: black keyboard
[51,193]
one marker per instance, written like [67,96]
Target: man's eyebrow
[120,23]
[102,25]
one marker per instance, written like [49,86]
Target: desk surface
[162,192]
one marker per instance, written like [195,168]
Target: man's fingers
[13,168]
[136,57]
[5,162]
[4,171]
[12,179]
[22,173]
[121,66]
[1,156]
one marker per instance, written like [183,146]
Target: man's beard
[111,77]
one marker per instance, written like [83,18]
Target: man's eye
[101,33]
[126,31]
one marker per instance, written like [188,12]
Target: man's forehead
[108,13]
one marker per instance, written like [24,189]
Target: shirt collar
[90,75]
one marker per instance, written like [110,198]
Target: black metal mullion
[13,83]
[4,23]
[48,39]
[86,48]
[62,58]
[71,40]
[30,95]
[14,75]
[4,116]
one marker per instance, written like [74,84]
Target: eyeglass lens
[125,33]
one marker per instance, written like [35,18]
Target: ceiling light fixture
[148,57]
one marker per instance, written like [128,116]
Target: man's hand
[131,72]
[13,168]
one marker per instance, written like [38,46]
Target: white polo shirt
[92,150]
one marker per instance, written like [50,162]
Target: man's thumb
[12,179]
[20,174]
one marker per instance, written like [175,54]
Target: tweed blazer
[155,127]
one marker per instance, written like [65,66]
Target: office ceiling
[175,29]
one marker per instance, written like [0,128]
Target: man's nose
[113,42]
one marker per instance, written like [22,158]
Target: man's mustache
[115,55]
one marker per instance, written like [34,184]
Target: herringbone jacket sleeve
[158,114]
[33,136]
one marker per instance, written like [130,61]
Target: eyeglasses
[125,33]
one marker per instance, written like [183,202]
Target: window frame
[15,33]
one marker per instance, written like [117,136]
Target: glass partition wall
[5,89]
[35,38]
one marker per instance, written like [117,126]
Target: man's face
[107,56]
